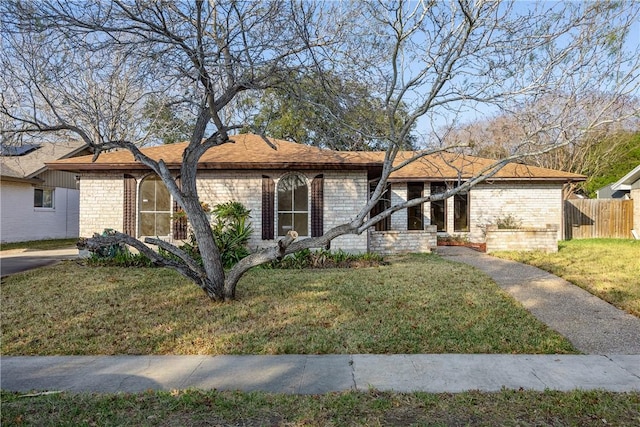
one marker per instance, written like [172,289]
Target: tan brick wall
[101,202]
[345,192]
[399,195]
[534,204]
[526,239]
[402,242]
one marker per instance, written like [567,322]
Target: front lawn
[608,268]
[418,304]
[372,408]
[40,245]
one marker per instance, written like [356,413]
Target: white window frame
[139,210]
[293,212]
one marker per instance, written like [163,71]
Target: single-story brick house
[312,190]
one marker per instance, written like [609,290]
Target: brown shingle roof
[246,152]
[450,166]
[252,152]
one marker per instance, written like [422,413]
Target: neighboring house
[629,187]
[607,192]
[35,202]
[312,190]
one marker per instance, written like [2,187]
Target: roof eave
[627,181]
[32,181]
[86,167]
[511,179]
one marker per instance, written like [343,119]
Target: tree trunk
[213,281]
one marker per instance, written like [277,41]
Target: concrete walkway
[611,338]
[592,325]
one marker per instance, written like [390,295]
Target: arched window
[154,207]
[293,205]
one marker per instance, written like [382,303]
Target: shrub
[231,231]
[508,222]
[307,258]
[117,255]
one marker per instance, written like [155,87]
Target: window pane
[285,202]
[438,215]
[147,195]
[47,198]
[383,204]
[163,199]
[300,195]
[301,223]
[42,198]
[285,223]
[147,224]
[37,197]
[414,214]
[163,224]
[461,217]
[438,208]
[155,208]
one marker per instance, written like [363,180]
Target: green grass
[40,244]
[373,408]
[608,268]
[418,304]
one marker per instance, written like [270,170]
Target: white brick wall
[399,195]
[101,202]
[403,242]
[534,204]
[20,221]
[345,192]
[526,239]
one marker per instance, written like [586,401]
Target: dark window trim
[268,208]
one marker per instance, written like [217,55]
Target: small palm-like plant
[231,231]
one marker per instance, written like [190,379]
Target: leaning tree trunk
[213,280]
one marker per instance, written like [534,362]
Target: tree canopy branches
[124,73]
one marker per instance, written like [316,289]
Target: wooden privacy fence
[589,218]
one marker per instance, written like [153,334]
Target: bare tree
[589,153]
[87,68]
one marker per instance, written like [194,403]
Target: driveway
[12,262]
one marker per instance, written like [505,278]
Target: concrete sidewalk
[592,325]
[302,374]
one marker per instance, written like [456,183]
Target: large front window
[414,213]
[293,205]
[383,204]
[461,211]
[155,208]
[439,207]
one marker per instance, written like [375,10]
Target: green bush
[508,222]
[231,232]
[118,256]
[307,258]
